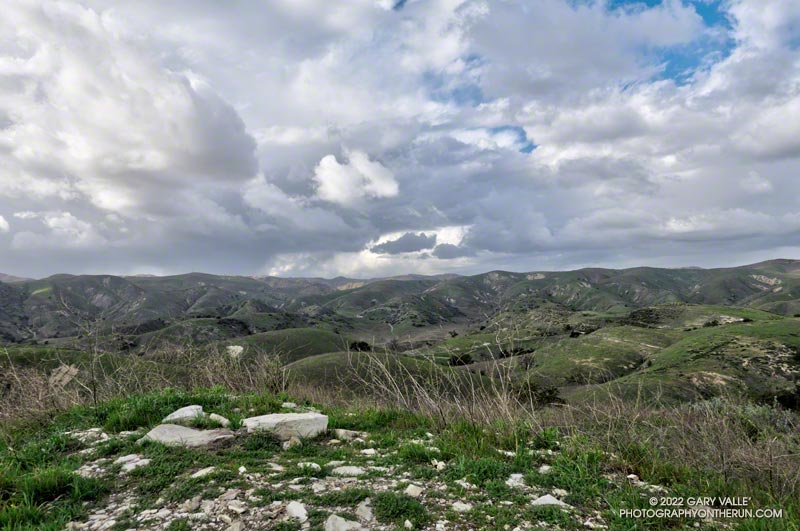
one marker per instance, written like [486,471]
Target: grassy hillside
[292,344]
[406,466]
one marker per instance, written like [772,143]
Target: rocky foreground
[288,471]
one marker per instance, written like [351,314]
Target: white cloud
[65,231]
[4,226]
[755,183]
[357,178]
[183,135]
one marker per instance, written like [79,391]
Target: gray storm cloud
[464,135]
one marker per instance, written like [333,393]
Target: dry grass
[755,446]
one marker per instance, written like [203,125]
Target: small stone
[591,524]
[242,470]
[515,481]
[131,462]
[369,451]
[230,494]
[191,505]
[560,492]
[545,469]
[337,523]
[547,499]
[297,511]
[408,525]
[348,471]
[289,405]
[184,414]
[349,435]
[461,507]
[291,443]
[219,419]
[364,511]
[439,465]
[415,491]
[236,526]
[203,472]
[312,466]
[334,442]
[237,506]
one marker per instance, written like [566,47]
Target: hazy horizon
[519,271]
[378,137]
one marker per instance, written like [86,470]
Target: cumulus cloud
[407,243]
[374,138]
[359,177]
[62,230]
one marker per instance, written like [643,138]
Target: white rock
[297,511]
[288,425]
[237,506]
[131,462]
[136,464]
[230,494]
[415,491]
[545,469]
[203,472]
[234,351]
[291,443]
[408,525]
[350,435]
[222,421]
[364,511]
[242,470]
[337,523]
[348,471]
[515,481]
[461,507]
[560,492]
[289,405]
[184,414]
[191,505]
[236,526]
[369,451]
[549,500]
[174,435]
[313,466]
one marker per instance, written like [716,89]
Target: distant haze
[373,138]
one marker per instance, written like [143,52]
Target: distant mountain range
[62,305]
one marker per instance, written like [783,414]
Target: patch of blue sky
[462,91]
[524,145]
[680,63]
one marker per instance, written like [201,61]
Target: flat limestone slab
[184,414]
[288,425]
[174,435]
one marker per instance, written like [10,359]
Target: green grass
[291,344]
[39,490]
[391,507]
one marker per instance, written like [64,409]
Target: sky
[369,138]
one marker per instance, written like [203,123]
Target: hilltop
[541,400]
